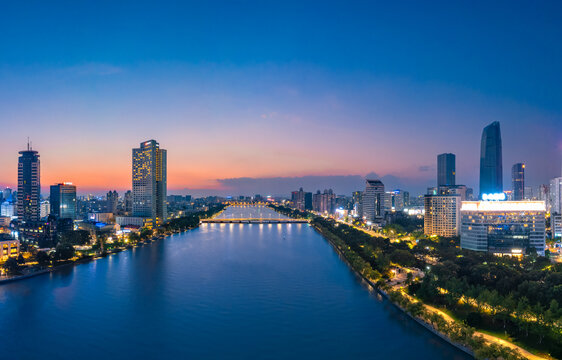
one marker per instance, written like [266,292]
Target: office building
[446,169]
[6,194]
[518,181]
[149,181]
[324,202]
[373,201]
[396,200]
[112,198]
[128,202]
[63,201]
[491,178]
[503,227]
[29,186]
[8,247]
[442,216]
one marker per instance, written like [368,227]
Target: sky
[260,96]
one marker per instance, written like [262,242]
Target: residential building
[503,227]
[442,215]
[556,195]
[112,198]
[150,181]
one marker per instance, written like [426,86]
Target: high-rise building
[556,225]
[396,200]
[302,200]
[63,201]
[442,215]
[29,185]
[518,181]
[373,201]
[446,169]
[358,203]
[149,181]
[112,198]
[491,178]
[45,209]
[503,227]
[128,202]
[324,202]
[556,195]
[6,194]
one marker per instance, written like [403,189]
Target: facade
[518,181]
[442,215]
[63,201]
[396,200]
[45,209]
[373,201]
[150,181]
[491,178]
[556,225]
[503,227]
[323,202]
[556,195]
[453,190]
[29,186]
[7,209]
[112,201]
[302,200]
[128,202]
[446,169]
[9,248]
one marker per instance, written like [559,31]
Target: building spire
[28,144]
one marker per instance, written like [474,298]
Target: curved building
[491,180]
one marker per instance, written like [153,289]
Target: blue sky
[279,89]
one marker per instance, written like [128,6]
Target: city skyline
[231,103]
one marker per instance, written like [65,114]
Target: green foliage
[63,251]
[77,237]
[43,258]
[11,266]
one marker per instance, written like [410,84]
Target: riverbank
[370,258]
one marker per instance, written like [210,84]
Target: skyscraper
[491,180]
[63,201]
[373,201]
[112,199]
[29,185]
[149,181]
[518,180]
[446,169]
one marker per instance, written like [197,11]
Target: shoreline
[385,295]
[78,262]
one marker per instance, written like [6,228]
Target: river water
[222,291]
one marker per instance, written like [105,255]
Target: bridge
[253,221]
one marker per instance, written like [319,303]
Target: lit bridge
[254,221]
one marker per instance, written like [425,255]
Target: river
[222,291]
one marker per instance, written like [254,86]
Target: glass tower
[446,169]
[491,180]
[63,201]
[29,185]
[518,179]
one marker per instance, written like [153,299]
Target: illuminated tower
[518,179]
[149,181]
[29,185]
[63,201]
[491,180]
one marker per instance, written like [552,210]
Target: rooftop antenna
[28,144]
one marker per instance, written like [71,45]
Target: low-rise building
[8,247]
[503,227]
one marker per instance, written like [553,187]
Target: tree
[43,258]
[64,251]
[11,266]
